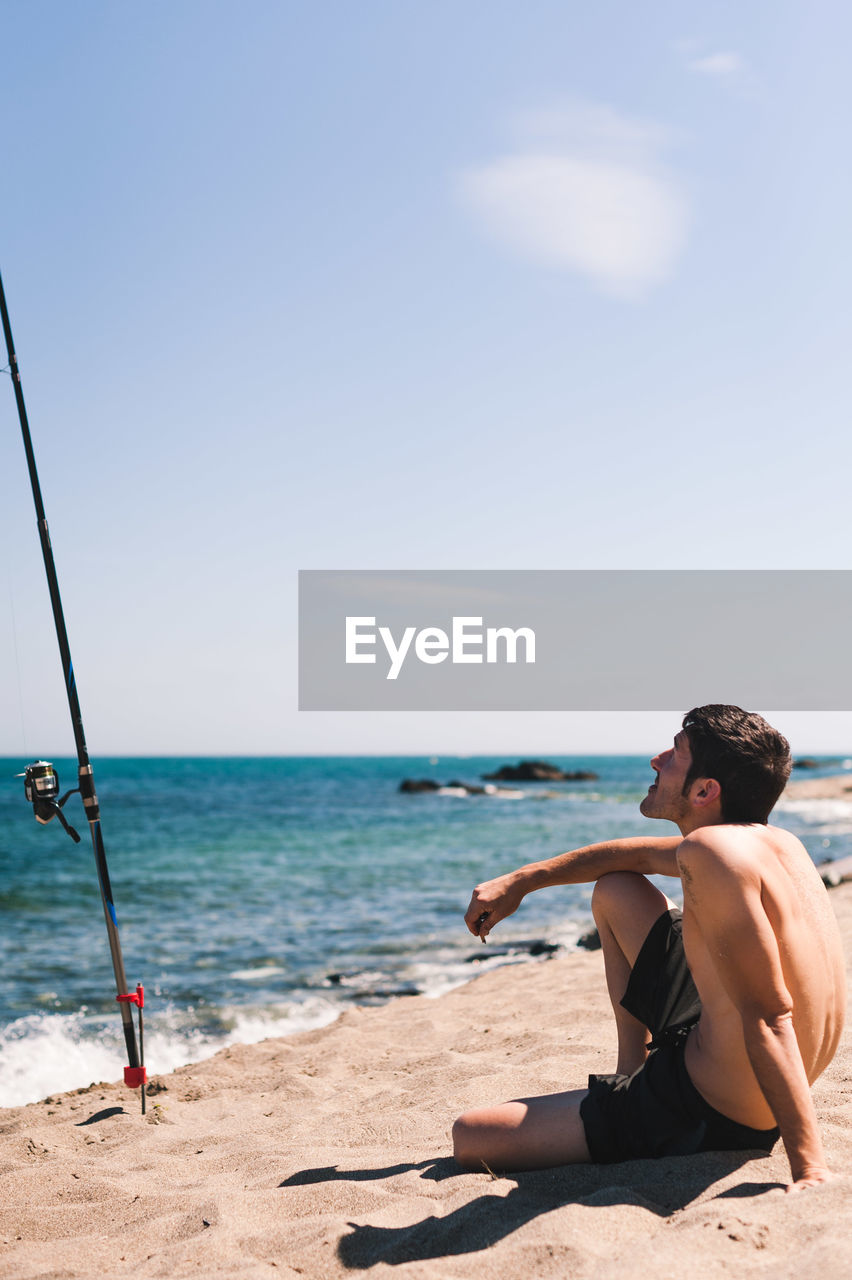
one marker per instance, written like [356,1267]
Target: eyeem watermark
[466,642]
[574,640]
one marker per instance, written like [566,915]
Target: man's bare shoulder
[725,846]
[735,841]
[750,852]
[762,862]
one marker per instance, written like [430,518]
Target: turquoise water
[258,897]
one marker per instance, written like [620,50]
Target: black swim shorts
[657,1111]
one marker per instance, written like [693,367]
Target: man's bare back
[807,948]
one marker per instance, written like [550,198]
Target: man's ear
[704,791]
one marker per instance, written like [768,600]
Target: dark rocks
[806,763]
[543,948]
[415,785]
[526,771]
[538,771]
[528,946]
[357,986]
[590,941]
[378,995]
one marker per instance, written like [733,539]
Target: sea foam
[49,1053]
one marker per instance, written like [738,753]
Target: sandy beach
[836,787]
[328,1153]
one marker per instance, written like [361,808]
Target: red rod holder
[136,997]
[136,1077]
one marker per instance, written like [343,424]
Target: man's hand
[495,899]
[811,1178]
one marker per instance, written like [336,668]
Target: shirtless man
[720,1033]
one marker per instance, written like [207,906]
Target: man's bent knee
[625,906]
[488,1136]
[617,888]
[466,1149]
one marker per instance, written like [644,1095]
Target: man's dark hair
[748,758]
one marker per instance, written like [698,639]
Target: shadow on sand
[661,1186]
[102,1115]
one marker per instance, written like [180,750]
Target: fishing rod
[41,782]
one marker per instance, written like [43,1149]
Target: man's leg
[539,1133]
[529,1133]
[625,906]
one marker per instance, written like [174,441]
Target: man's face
[665,798]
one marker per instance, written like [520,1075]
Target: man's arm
[499,898]
[725,897]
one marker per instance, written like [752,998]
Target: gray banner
[574,640]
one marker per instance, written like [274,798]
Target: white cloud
[719,64]
[727,67]
[584,192]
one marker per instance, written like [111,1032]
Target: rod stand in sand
[135,1076]
[42,783]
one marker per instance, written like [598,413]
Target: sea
[259,897]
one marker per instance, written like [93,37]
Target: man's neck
[691,822]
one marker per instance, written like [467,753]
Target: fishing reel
[41,787]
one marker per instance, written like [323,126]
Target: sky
[404,285]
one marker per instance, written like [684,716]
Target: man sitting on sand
[725,1014]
